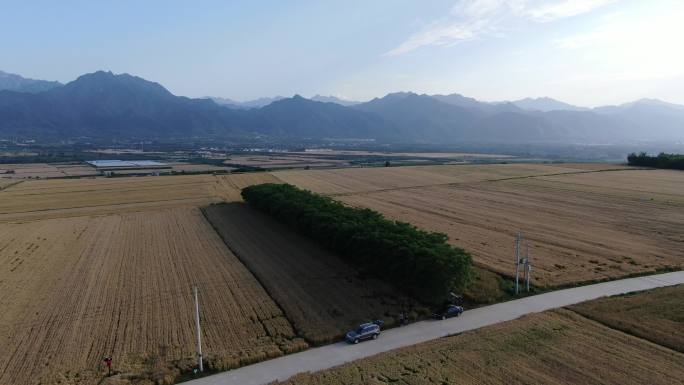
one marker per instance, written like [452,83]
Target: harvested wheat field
[359,180]
[229,187]
[51,170]
[656,315]
[38,199]
[557,347]
[321,294]
[284,160]
[582,225]
[57,198]
[76,289]
[7,182]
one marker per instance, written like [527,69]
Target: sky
[585,52]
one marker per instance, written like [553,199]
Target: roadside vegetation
[662,160]
[422,264]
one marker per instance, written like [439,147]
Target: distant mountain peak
[654,102]
[400,94]
[106,81]
[256,103]
[17,83]
[545,104]
[333,99]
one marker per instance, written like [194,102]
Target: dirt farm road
[336,354]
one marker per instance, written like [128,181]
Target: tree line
[663,160]
[419,263]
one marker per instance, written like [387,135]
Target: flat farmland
[76,289]
[322,295]
[434,155]
[6,182]
[581,224]
[38,199]
[556,347]
[359,180]
[48,170]
[284,160]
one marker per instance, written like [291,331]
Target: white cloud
[563,9]
[470,19]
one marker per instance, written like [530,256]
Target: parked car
[448,312]
[363,332]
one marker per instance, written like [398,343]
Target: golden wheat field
[555,347]
[582,223]
[6,182]
[656,315]
[321,294]
[39,199]
[77,289]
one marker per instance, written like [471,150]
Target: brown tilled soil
[319,293]
[74,290]
[557,347]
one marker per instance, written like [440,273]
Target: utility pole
[199,332]
[518,238]
[528,265]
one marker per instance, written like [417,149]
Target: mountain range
[13,82]
[104,105]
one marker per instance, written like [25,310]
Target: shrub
[663,160]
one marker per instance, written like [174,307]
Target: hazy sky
[587,52]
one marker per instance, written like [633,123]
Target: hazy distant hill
[647,118]
[428,118]
[489,108]
[333,99]
[12,82]
[300,117]
[105,105]
[102,104]
[256,103]
[545,104]
[421,117]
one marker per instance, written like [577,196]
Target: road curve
[336,354]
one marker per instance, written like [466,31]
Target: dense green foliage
[663,160]
[420,263]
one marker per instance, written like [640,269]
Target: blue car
[450,311]
[363,332]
